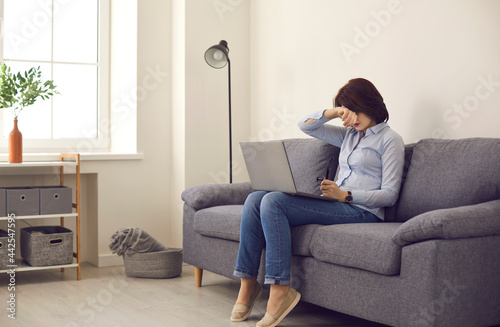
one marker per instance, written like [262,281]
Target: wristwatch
[348,198]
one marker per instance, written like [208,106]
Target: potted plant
[18,91]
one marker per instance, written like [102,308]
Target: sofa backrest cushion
[390,212]
[450,173]
[309,159]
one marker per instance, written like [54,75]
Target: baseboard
[110,260]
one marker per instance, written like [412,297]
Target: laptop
[269,169]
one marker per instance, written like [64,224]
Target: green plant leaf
[22,90]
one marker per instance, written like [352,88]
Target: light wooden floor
[106,297]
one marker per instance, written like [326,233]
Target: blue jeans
[266,221]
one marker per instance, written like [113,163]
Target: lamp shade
[217,55]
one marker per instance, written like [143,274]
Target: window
[69,40]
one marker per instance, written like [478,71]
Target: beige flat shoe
[242,311]
[290,301]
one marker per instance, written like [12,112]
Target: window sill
[98,156]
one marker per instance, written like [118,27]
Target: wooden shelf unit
[66,160]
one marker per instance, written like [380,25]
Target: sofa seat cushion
[367,246]
[225,221]
[219,222]
[301,239]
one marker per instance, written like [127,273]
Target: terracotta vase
[15,145]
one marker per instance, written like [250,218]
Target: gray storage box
[4,253]
[47,245]
[23,201]
[3,203]
[55,199]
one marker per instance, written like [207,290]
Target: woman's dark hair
[360,95]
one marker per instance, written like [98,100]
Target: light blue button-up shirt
[371,167]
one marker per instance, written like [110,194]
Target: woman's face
[363,122]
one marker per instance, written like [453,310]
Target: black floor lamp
[217,57]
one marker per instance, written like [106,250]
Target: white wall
[137,193]
[207,138]
[426,57]
[429,59]
[178,130]
[130,193]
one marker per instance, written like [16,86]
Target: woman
[371,163]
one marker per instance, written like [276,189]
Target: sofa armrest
[468,221]
[211,195]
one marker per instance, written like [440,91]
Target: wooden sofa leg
[198,276]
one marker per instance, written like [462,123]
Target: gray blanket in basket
[134,240]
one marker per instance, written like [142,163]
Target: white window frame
[103,141]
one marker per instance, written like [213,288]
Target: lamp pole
[217,56]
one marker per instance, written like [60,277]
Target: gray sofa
[434,261]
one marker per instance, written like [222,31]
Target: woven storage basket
[47,245]
[4,245]
[161,264]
